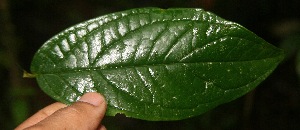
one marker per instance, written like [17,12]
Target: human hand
[85,114]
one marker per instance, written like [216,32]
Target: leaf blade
[143,59]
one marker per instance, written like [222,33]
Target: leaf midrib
[75,70]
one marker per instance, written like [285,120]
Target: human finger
[87,113]
[41,115]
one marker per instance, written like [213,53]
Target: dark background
[275,104]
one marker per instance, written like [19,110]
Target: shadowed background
[275,104]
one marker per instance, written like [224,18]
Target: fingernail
[92,98]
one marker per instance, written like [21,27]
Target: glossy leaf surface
[155,64]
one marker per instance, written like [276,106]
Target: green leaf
[155,64]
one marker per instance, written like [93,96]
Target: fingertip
[93,98]
[101,127]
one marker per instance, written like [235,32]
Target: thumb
[87,113]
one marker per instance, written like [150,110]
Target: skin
[86,114]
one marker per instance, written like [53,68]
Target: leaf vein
[176,42]
[151,52]
[115,86]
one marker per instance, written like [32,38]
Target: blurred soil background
[275,104]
